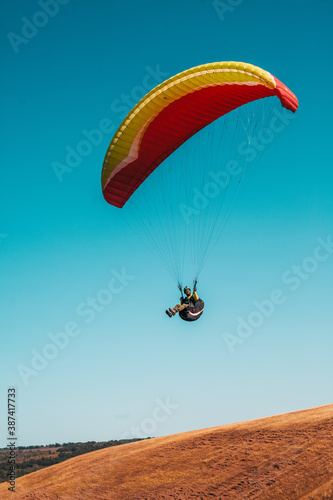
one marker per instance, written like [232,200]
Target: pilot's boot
[170,312]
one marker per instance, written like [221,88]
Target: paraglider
[184,203]
[190,307]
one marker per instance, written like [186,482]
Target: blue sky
[125,369]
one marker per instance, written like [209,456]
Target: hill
[285,457]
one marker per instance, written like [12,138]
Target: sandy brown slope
[284,457]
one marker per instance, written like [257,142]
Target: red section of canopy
[178,122]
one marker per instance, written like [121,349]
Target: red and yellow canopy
[174,111]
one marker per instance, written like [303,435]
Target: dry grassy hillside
[284,457]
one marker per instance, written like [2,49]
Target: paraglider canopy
[175,110]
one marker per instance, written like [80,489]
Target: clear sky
[88,364]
